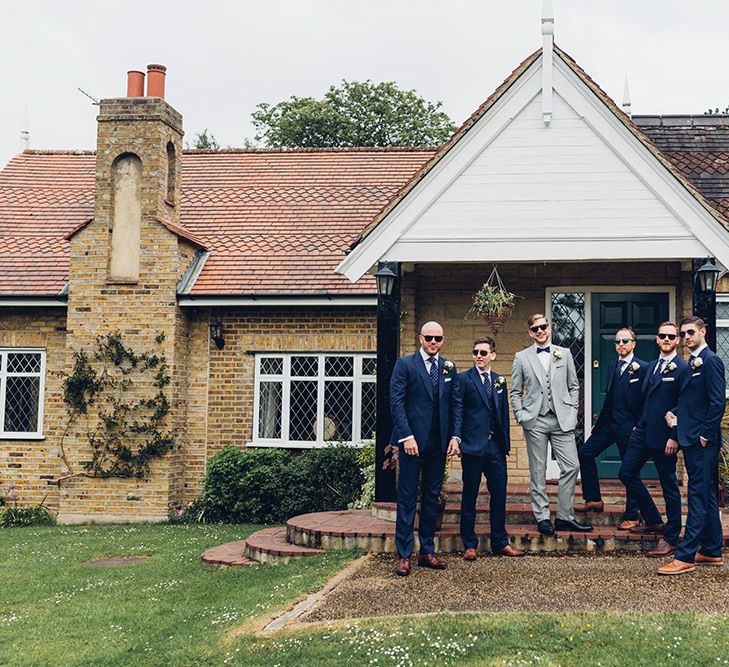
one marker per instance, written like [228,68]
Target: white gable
[516,189]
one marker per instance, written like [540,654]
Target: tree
[357,113]
[206,139]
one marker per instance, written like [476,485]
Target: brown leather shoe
[590,506]
[470,554]
[661,549]
[629,524]
[403,567]
[431,561]
[676,567]
[508,550]
[655,528]
[712,561]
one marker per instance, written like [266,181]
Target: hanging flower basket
[492,302]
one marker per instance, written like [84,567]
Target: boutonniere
[697,362]
[557,354]
[447,366]
[670,367]
[499,381]
[635,366]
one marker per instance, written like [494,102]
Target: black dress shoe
[572,525]
[545,527]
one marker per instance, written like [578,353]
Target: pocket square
[447,380]
[693,375]
[499,391]
[668,379]
[635,380]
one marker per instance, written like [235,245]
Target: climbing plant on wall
[116,402]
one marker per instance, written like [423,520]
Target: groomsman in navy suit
[615,423]
[697,431]
[422,389]
[649,440]
[483,448]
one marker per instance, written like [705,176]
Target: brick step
[359,529]
[516,513]
[270,545]
[230,553]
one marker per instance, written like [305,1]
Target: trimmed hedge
[271,485]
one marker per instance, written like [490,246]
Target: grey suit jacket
[528,386]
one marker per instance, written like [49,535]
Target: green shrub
[37,515]
[366,457]
[271,485]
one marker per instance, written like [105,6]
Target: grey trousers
[547,430]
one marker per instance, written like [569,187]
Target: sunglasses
[437,339]
[539,327]
[624,341]
[688,332]
[663,336]
[481,353]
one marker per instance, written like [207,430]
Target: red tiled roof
[275,222]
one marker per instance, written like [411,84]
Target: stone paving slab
[618,582]
[230,553]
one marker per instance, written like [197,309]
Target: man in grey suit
[544,397]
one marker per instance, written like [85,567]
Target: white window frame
[4,352]
[358,379]
[723,297]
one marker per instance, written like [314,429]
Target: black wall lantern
[385,278]
[216,333]
[707,276]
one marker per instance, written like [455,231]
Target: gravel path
[533,583]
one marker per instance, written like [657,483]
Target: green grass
[172,610]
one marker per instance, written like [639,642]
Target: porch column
[388,347]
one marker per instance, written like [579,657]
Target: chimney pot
[156,81]
[135,83]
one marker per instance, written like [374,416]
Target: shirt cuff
[406,438]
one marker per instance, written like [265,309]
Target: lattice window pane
[269,410]
[722,310]
[272,366]
[338,398]
[304,366]
[722,348]
[369,366]
[302,411]
[22,396]
[568,330]
[24,362]
[339,367]
[369,410]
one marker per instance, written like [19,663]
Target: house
[249,270]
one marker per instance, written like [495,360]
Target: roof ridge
[323,149]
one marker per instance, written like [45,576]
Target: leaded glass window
[22,376]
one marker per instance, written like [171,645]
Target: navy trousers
[633,461]
[595,445]
[429,465]
[703,525]
[492,464]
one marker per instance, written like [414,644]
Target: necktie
[621,366]
[542,349]
[433,371]
[659,367]
[487,383]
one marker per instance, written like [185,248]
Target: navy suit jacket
[411,401]
[624,400]
[481,415]
[660,394]
[701,401]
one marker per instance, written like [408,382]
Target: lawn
[172,610]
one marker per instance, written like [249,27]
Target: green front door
[643,312]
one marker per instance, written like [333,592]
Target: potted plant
[492,302]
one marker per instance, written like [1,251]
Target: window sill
[304,445]
[22,436]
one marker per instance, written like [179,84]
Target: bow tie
[542,349]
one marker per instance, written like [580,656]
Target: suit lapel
[420,366]
[654,379]
[537,365]
[611,377]
[494,392]
[475,376]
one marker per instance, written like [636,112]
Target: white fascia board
[548,250]
[257,302]
[668,189]
[30,303]
[376,246]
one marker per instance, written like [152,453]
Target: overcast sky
[224,57]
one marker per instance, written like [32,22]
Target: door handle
[596,363]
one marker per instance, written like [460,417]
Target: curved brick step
[269,545]
[516,513]
[227,554]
